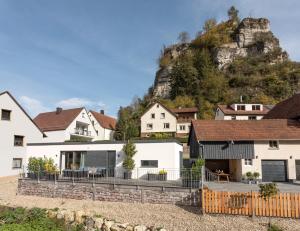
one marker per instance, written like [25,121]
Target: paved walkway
[242,187]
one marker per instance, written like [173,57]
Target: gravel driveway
[171,217]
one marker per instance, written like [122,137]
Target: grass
[35,219]
[274,227]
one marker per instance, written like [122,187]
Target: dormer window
[255,107]
[241,107]
[273,144]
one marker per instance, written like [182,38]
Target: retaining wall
[109,192]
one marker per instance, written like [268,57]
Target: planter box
[51,176]
[127,175]
[157,177]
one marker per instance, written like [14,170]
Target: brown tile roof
[51,121]
[228,110]
[223,130]
[184,110]
[105,121]
[287,109]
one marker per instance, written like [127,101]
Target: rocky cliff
[250,38]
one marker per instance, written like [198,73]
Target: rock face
[252,37]
[162,78]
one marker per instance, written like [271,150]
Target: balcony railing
[82,132]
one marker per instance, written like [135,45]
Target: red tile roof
[105,121]
[228,110]
[223,130]
[287,109]
[52,121]
[184,110]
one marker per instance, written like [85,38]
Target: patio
[243,187]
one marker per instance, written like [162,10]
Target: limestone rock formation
[252,37]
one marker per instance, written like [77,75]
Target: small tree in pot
[128,164]
[35,167]
[50,169]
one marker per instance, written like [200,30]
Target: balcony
[82,132]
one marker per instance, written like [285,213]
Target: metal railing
[185,178]
[81,132]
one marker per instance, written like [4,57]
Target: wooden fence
[250,203]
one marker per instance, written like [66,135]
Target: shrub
[162,172]
[49,166]
[274,228]
[129,150]
[256,175]
[249,175]
[35,164]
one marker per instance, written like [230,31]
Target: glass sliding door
[74,160]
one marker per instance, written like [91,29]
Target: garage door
[298,169]
[273,170]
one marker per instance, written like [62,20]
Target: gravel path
[171,217]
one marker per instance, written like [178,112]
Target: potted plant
[250,177]
[162,175]
[51,171]
[191,178]
[256,176]
[129,150]
[35,167]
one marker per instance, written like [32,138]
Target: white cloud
[80,102]
[33,106]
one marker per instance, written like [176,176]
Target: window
[17,163]
[18,140]
[152,116]
[157,105]
[162,115]
[149,126]
[93,122]
[166,125]
[233,117]
[182,127]
[5,114]
[248,161]
[83,114]
[255,107]
[252,117]
[241,107]
[273,144]
[149,163]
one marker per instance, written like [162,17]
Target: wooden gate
[250,203]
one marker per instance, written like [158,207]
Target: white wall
[167,154]
[286,150]
[187,128]
[19,124]
[103,133]
[63,135]
[158,123]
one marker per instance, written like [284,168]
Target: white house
[241,111]
[63,125]
[16,129]
[151,156]
[270,147]
[160,119]
[103,124]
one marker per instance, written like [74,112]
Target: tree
[233,14]
[127,126]
[209,24]
[267,191]
[183,37]
[130,150]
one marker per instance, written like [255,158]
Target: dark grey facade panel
[194,145]
[227,150]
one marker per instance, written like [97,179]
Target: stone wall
[108,192]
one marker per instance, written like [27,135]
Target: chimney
[58,110]
[102,111]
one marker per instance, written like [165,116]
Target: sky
[102,53]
